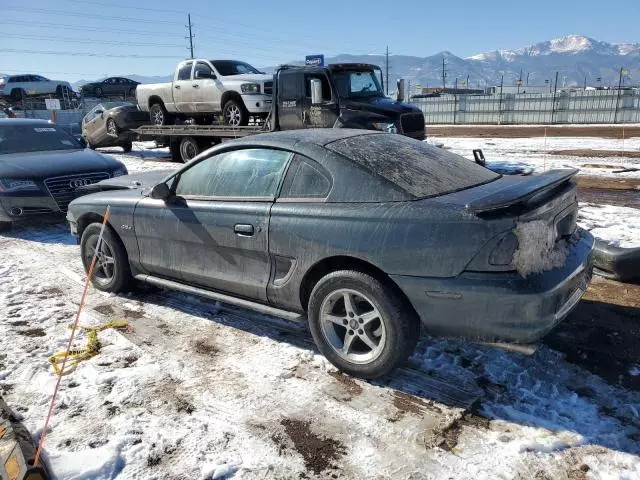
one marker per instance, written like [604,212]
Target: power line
[84,54]
[88,41]
[109,4]
[62,26]
[87,15]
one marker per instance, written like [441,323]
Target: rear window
[418,168]
[40,137]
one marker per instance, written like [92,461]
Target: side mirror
[202,75]
[316,91]
[400,93]
[161,191]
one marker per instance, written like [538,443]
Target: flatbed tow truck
[348,95]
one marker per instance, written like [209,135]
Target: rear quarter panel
[162,90]
[414,238]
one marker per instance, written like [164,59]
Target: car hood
[136,181]
[248,77]
[381,105]
[37,165]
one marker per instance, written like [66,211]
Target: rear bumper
[501,307]
[257,104]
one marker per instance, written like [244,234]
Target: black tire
[119,278]
[235,113]
[5,226]
[616,263]
[97,92]
[158,115]
[127,146]
[132,92]
[189,148]
[112,127]
[17,94]
[398,325]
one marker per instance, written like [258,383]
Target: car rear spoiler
[521,192]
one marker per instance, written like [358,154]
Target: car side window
[252,172]
[306,179]
[202,68]
[184,73]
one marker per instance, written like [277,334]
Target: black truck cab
[347,95]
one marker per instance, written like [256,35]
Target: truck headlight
[250,88]
[385,127]
[14,185]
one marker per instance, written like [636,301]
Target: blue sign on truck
[315,60]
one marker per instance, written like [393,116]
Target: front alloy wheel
[111,272]
[112,128]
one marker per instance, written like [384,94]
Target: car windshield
[110,105]
[357,84]
[231,67]
[35,137]
[418,168]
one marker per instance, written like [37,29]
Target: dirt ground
[587,152]
[509,131]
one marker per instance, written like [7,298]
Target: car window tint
[202,68]
[184,73]
[289,85]
[420,169]
[306,179]
[35,137]
[239,173]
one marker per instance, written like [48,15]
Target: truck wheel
[189,148]
[235,114]
[361,325]
[127,146]
[158,114]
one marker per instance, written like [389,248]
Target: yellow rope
[91,350]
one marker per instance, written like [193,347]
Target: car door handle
[196,86]
[243,229]
[177,86]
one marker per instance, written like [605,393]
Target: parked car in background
[42,168]
[372,234]
[111,86]
[16,87]
[202,88]
[109,124]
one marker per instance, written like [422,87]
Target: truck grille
[268,88]
[65,188]
[412,122]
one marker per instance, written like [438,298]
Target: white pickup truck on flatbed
[203,88]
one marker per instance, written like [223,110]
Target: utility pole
[585,82]
[444,75]
[190,37]
[467,84]
[500,104]
[553,104]
[386,67]
[528,78]
[615,116]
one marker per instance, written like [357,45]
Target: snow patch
[537,250]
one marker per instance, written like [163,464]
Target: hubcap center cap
[353,323]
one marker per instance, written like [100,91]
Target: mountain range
[577,59]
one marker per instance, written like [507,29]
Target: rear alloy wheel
[359,325]
[158,114]
[235,114]
[97,91]
[189,148]
[112,128]
[111,272]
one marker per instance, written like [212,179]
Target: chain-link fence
[568,107]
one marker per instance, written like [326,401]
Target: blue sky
[104,37]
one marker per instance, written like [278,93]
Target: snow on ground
[532,152]
[201,390]
[619,226]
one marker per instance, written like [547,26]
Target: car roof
[23,121]
[315,136]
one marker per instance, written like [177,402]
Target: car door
[213,232]
[182,88]
[290,92]
[206,94]
[324,114]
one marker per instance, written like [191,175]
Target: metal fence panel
[568,107]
